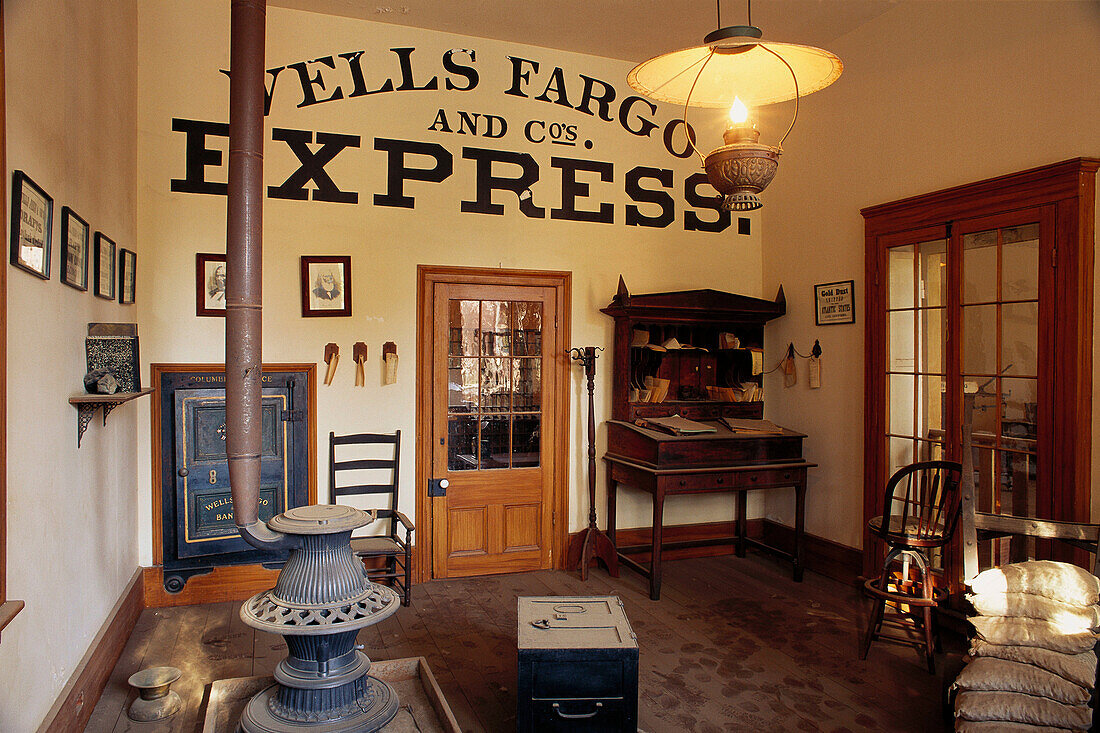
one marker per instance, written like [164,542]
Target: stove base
[259,718]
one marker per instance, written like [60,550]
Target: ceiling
[631,30]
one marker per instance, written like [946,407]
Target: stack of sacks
[1032,664]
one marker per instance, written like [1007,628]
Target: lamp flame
[739,113]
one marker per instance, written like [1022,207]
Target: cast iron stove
[320,602]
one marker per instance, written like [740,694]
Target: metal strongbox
[578,665]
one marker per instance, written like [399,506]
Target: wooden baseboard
[73,707]
[228,583]
[831,559]
[825,557]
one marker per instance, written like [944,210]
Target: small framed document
[104,266]
[835,303]
[31,223]
[75,236]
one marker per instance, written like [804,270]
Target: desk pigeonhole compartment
[578,665]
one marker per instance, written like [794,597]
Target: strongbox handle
[577,716]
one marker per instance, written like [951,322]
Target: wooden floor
[733,645]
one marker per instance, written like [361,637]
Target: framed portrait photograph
[127,276]
[835,303]
[75,238]
[31,226]
[209,284]
[104,266]
[326,286]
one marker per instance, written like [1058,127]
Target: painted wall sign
[495,181]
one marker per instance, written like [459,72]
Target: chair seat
[907,533]
[375,546]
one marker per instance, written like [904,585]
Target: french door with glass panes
[986,287]
[494,392]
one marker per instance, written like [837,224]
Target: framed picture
[127,276]
[75,237]
[31,226]
[326,286]
[209,284]
[104,266]
[835,303]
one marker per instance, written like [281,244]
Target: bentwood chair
[355,469]
[920,510]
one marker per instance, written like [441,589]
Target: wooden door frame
[427,276]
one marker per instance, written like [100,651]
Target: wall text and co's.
[410,163]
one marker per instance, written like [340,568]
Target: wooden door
[494,389]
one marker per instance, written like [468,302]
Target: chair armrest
[405,522]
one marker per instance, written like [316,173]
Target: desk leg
[742,521]
[658,532]
[799,525]
[612,488]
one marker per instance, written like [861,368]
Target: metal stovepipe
[244,260]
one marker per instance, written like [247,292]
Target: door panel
[492,392]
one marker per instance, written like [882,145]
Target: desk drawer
[580,716]
[698,482]
[769,477]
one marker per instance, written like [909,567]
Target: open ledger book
[679,425]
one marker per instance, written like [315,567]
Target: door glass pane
[933,273]
[526,329]
[526,439]
[527,382]
[899,398]
[462,381]
[899,266]
[494,384]
[1020,263]
[461,443]
[901,356]
[979,347]
[496,335]
[979,267]
[1019,338]
[463,327]
[899,453]
[933,341]
[930,418]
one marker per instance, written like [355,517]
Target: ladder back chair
[355,470]
[919,514]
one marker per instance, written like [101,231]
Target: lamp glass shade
[734,70]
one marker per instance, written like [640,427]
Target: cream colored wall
[71,90]
[182,48]
[933,95]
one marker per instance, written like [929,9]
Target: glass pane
[899,265]
[933,404]
[980,267]
[979,347]
[899,401]
[463,327]
[899,453]
[496,334]
[1019,338]
[1020,263]
[928,450]
[527,383]
[526,443]
[462,384]
[901,351]
[933,273]
[494,441]
[461,443]
[933,346]
[526,329]
[1019,408]
[496,391]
